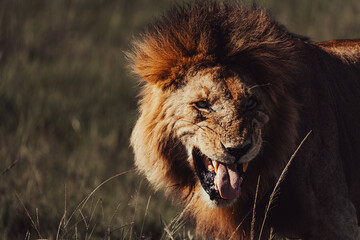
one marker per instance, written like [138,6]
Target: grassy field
[67,107]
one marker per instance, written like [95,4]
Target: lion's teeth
[215,164]
[208,164]
[245,166]
[211,168]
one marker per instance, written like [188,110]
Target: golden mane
[223,36]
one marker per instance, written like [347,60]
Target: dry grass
[70,221]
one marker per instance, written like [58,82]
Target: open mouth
[219,180]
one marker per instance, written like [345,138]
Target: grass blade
[282,176]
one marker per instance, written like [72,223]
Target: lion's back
[348,50]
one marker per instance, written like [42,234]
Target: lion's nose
[238,152]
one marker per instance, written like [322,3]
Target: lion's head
[215,112]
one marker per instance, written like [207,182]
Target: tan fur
[224,55]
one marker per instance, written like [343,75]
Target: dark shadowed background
[68,104]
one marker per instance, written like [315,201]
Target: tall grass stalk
[176,223]
[271,234]
[239,225]
[281,178]
[135,208]
[29,216]
[83,202]
[254,210]
[146,211]
[10,166]
[79,208]
[108,231]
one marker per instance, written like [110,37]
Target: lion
[227,96]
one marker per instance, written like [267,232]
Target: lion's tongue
[227,180]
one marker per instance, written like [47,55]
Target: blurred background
[68,104]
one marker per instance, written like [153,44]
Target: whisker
[259,85]
[198,125]
[190,123]
[202,128]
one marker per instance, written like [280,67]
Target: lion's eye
[251,104]
[202,104]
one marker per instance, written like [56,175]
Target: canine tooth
[208,164]
[215,164]
[245,166]
[210,168]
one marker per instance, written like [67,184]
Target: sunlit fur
[222,54]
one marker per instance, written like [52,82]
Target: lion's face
[219,119]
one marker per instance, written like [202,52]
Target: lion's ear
[153,63]
[163,58]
